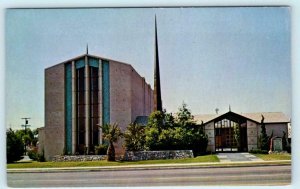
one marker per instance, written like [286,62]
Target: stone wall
[210,132]
[59,158]
[155,155]
[252,135]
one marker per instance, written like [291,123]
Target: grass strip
[34,164]
[272,157]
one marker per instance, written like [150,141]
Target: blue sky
[209,57]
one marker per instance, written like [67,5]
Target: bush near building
[167,132]
[14,146]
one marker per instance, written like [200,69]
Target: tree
[159,131]
[284,142]
[193,135]
[14,147]
[29,137]
[264,136]
[134,137]
[184,117]
[164,132]
[111,133]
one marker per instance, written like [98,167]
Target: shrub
[134,137]
[14,147]
[101,149]
[258,151]
[41,157]
[166,132]
[34,155]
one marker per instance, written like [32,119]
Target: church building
[221,129]
[85,92]
[88,91]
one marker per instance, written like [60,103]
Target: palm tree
[134,137]
[111,133]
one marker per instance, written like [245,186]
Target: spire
[157,92]
[87,48]
[229,108]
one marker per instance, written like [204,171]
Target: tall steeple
[157,92]
[87,48]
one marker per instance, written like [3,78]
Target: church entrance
[230,133]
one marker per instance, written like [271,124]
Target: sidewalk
[153,166]
[237,157]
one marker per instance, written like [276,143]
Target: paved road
[260,175]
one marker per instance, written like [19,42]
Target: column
[74,104]
[100,122]
[87,104]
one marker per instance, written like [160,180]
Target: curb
[153,167]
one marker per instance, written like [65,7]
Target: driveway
[231,157]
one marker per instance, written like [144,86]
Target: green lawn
[34,164]
[270,157]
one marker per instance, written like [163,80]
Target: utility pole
[25,127]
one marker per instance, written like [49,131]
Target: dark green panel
[93,62]
[79,63]
[68,107]
[105,92]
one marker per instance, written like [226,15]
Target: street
[256,175]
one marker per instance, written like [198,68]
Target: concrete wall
[277,129]
[252,135]
[120,94]
[54,110]
[41,140]
[141,96]
[130,96]
[210,132]
[120,98]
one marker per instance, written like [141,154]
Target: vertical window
[94,105]
[80,108]
[68,107]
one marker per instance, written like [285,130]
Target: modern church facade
[85,92]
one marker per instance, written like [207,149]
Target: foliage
[264,136]
[111,133]
[284,142]
[14,147]
[164,132]
[101,149]
[258,151]
[184,117]
[134,137]
[34,155]
[237,135]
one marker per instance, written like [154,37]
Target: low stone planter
[156,155]
[65,158]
